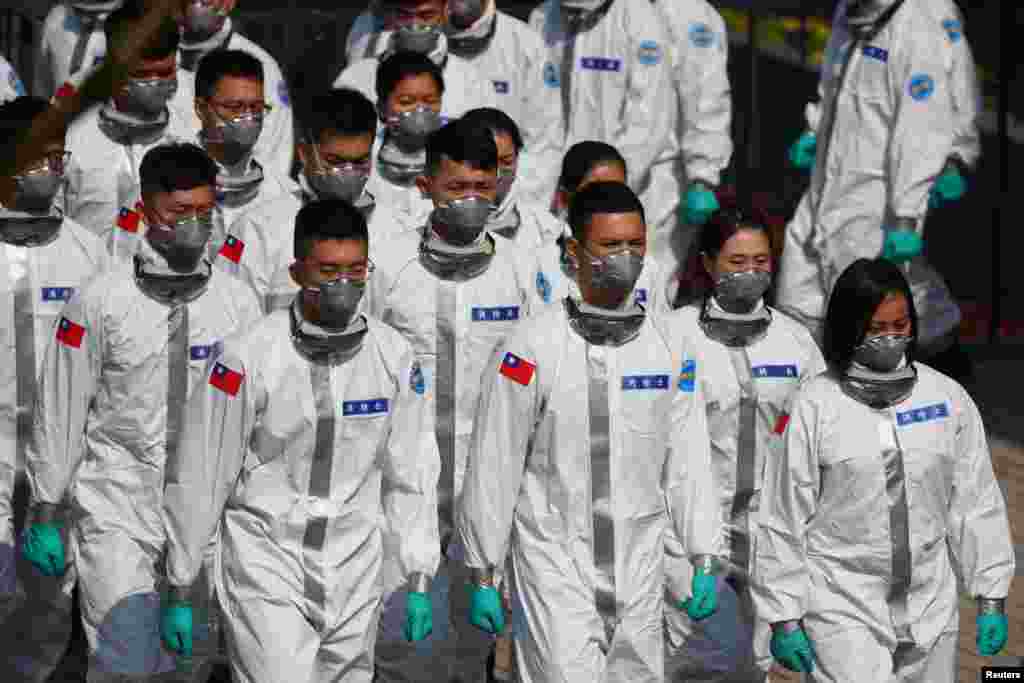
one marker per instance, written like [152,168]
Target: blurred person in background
[10,84]
[71,45]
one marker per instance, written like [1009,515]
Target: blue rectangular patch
[495,314]
[204,351]
[688,376]
[642,382]
[876,53]
[926,414]
[501,87]
[775,371]
[600,63]
[57,293]
[371,406]
[640,296]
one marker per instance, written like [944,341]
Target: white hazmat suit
[110,408]
[289,461]
[861,501]
[11,86]
[582,456]
[71,45]
[894,106]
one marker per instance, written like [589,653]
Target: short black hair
[341,111]
[176,166]
[601,197]
[855,298]
[498,122]
[221,63]
[463,143]
[582,158]
[328,219]
[401,65]
[16,118]
[124,21]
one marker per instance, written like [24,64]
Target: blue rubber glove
[802,152]
[419,617]
[901,245]
[705,596]
[42,545]
[485,610]
[176,627]
[992,633]
[793,649]
[699,204]
[949,187]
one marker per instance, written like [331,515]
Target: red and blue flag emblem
[232,249]
[70,333]
[227,380]
[517,369]
[128,219]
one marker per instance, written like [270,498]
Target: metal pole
[753,137]
[998,212]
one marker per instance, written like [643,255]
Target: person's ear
[295,270]
[423,184]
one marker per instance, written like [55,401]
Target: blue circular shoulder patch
[701,35]
[649,53]
[416,380]
[282,93]
[550,75]
[921,87]
[954,29]
[543,287]
[15,82]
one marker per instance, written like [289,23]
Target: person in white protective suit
[417,26]
[107,142]
[411,91]
[71,44]
[588,444]
[454,291]
[585,163]
[309,425]
[128,349]
[509,54]
[206,26]
[611,62]
[883,499]
[11,86]
[896,130]
[700,51]
[229,101]
[340,127]
[750,359]
[517,217]
[44,258]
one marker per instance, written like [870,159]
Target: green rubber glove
[176,627]
[949,187]
[793,649]
[699,204]
[43,546]
[485,610]
[901,246]
[802,152]
[992,633]
[419,617]
[705,596]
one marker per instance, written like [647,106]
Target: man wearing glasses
[305,429]
[127,351]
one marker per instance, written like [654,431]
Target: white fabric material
[245,465]
[621,93]
[537,225]
[908,103]
[464,87]
[103,175]
[275,148]
[783,360]
[824,546]
[700,50]
[100,440]
[11,86]
[527,492]
[267,233]
[52,66]
[49,274]
[404,294]
[858,655]
[405,202]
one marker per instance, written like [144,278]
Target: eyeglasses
[54,161]
[358,271]
[237,108]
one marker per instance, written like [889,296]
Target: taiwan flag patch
[227,380]
[517,369]
[781,424]
[232,249]
[128,219]
[70,334]
[66,90]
